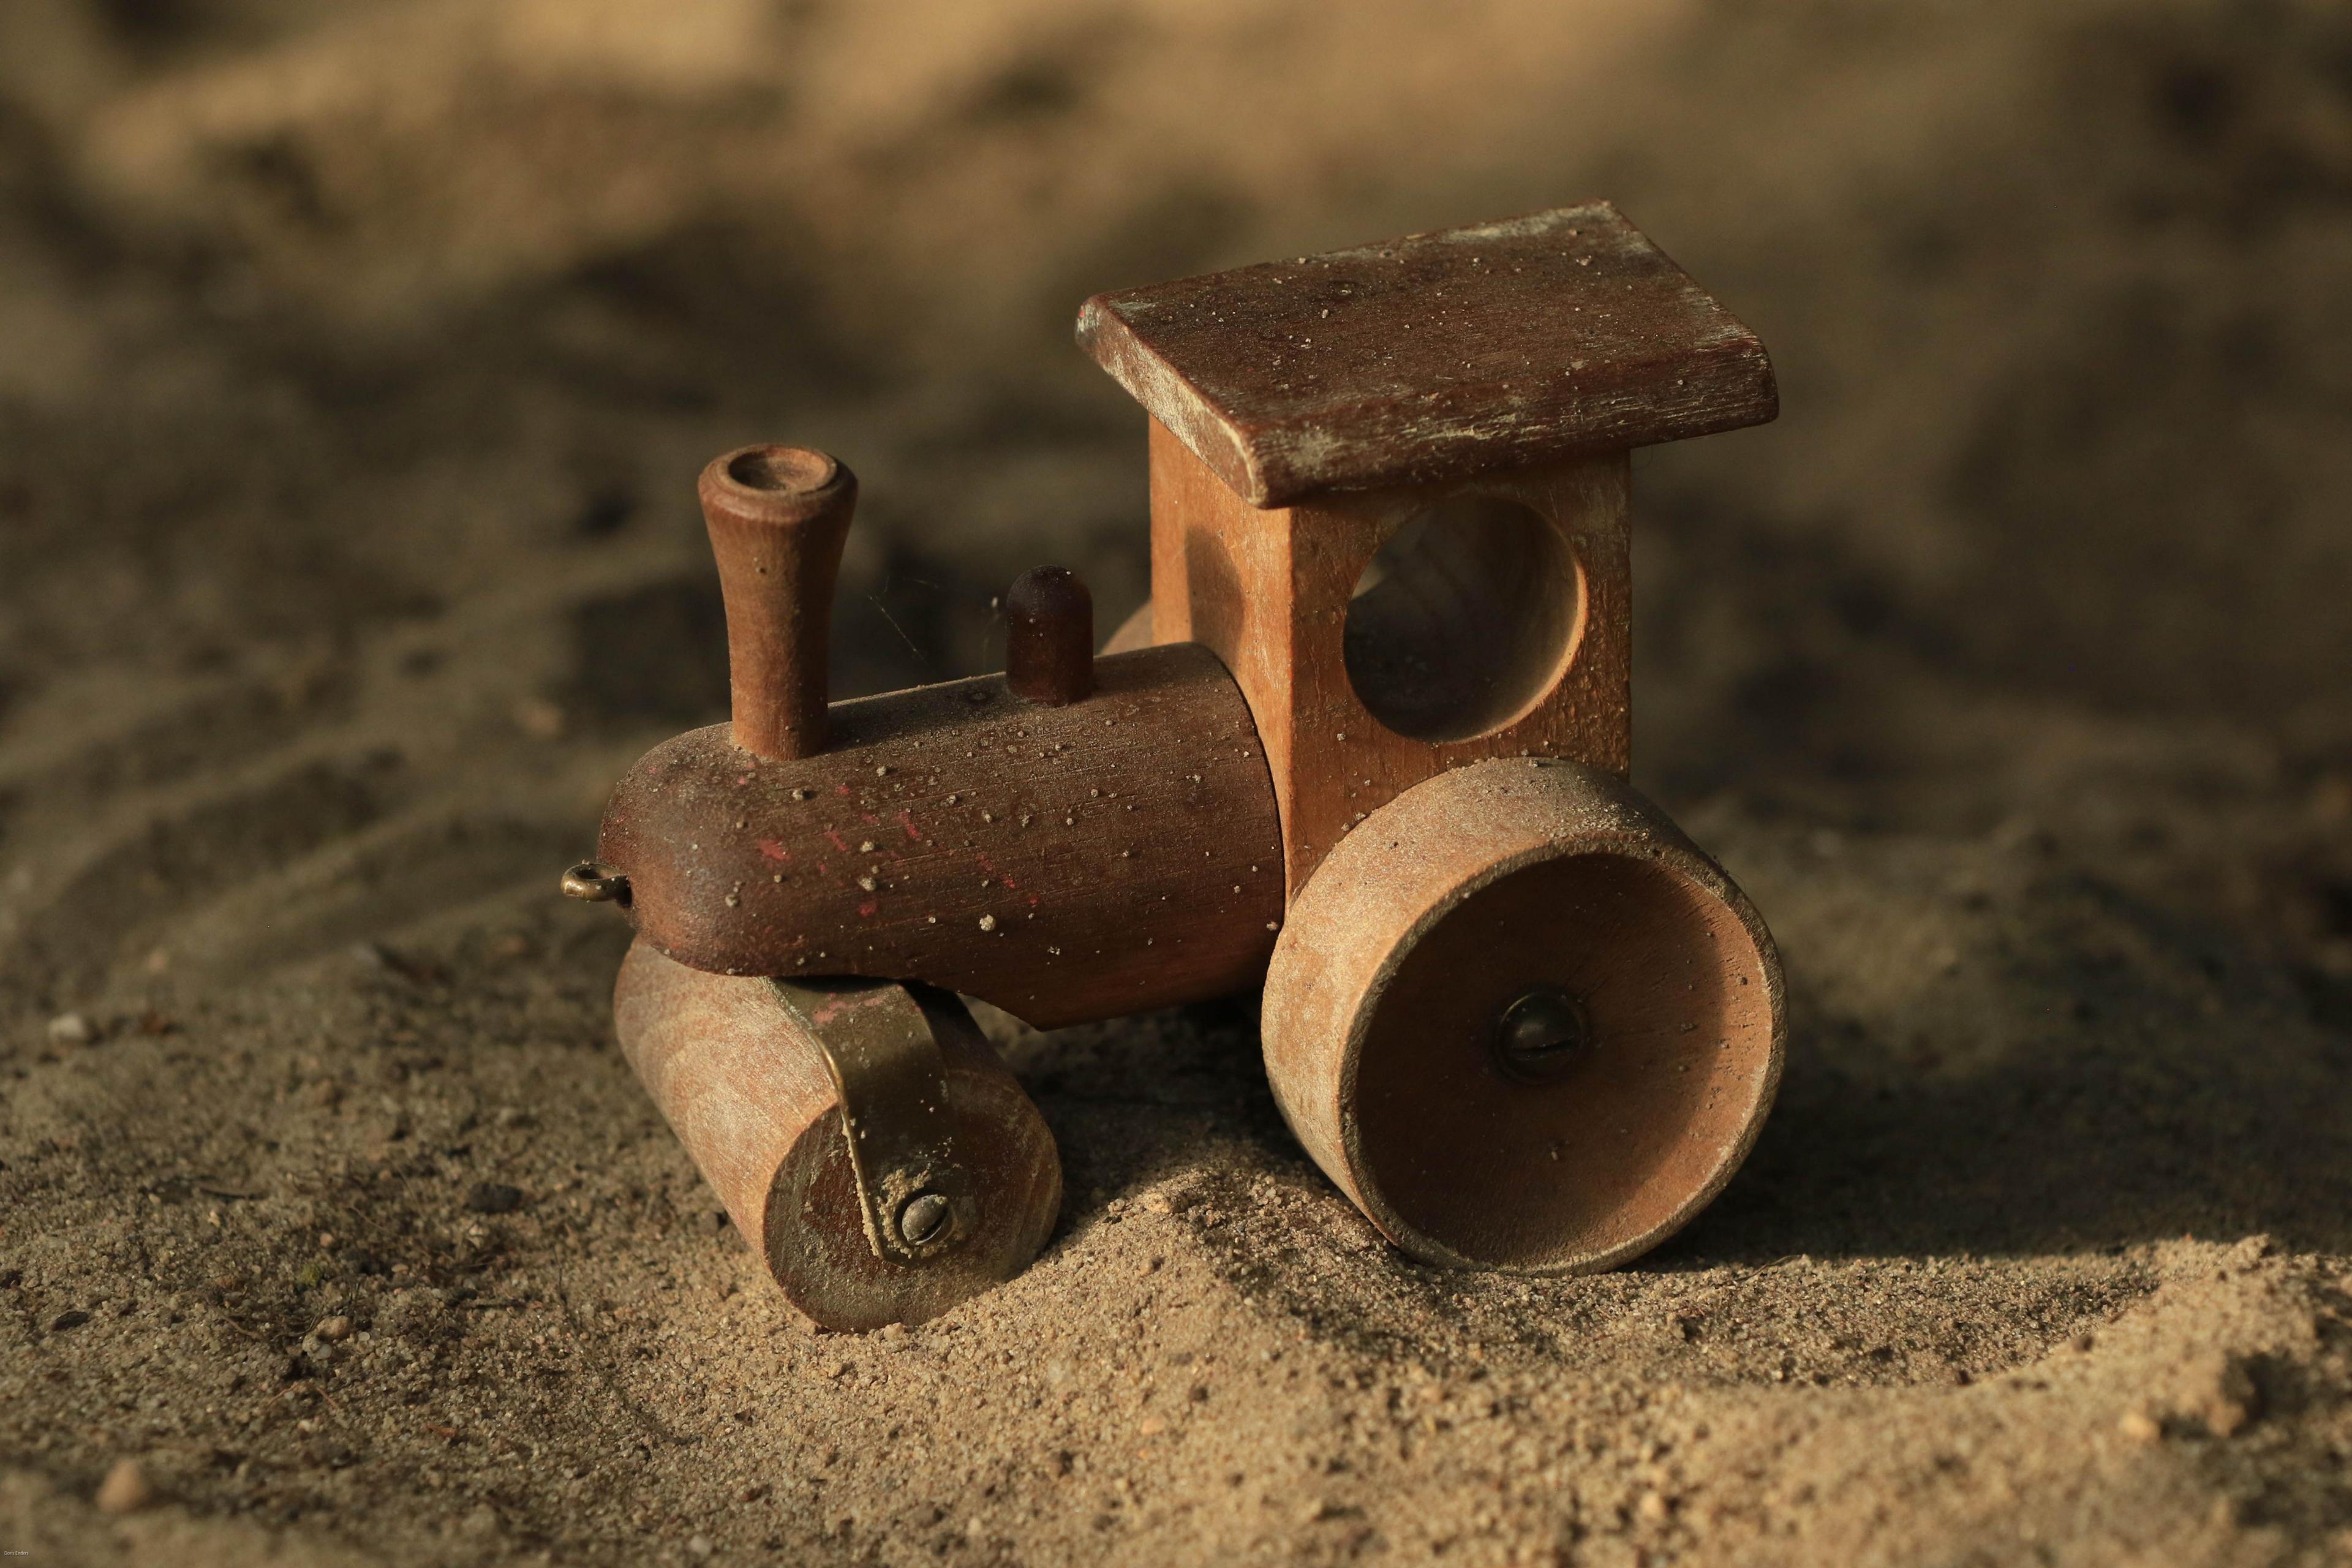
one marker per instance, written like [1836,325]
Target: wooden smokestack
[778,517]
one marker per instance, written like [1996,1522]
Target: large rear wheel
[1522,1021]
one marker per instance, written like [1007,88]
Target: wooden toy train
[1366,748]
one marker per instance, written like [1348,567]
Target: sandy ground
[355,361]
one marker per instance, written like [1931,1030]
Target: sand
[355,363]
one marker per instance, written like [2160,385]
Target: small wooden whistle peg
[1049,643]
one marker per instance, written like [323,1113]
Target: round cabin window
[1464,620]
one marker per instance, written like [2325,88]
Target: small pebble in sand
[1653,1508]
[71,1029]
[125,1488]
[334,1330]
[700,1545]
[2139,1427]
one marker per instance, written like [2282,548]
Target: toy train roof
[1433,357]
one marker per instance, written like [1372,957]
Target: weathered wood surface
[749,1096]
[1427,358]
[1269,593]
[1065,862]
[1418,933]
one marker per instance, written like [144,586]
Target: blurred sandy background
[355,363]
